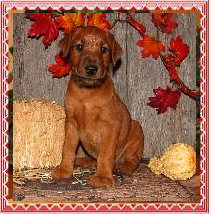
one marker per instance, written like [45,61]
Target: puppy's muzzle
[91,70]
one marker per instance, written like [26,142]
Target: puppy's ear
[116,50]
[66,43]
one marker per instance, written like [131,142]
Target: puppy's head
[90,52]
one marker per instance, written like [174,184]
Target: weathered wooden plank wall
[134,80]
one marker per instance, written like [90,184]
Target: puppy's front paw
[101,181]
[61,173]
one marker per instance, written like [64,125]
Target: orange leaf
[70,21]
[150,46]
[98,20]
[61,68]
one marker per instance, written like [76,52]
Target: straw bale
[38,134]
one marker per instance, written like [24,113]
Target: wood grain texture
[120,75]
[134,80]
[31,61]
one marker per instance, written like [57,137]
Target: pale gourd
[177,163]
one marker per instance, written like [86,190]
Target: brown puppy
[95,115]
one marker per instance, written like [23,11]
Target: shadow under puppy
[95,115]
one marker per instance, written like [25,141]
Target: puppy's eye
[104,50]
[79,47]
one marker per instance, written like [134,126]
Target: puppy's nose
[91,70]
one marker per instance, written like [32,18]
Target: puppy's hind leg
[131,157]
[85,161]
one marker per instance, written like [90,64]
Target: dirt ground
[142,186]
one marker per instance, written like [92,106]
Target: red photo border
[10,206]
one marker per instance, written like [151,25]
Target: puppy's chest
[89,123]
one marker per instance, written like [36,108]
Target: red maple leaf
[180,50]
[164,21]
[141,28]
[164,99]
[44,26]
[151,46]
[61,68]
[98,20]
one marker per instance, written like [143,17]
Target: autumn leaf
[98,20]
[150,47]
[44,26]
[179,49]
[61,68]
[69,21]
[141,28]
[164,21]
[164,99]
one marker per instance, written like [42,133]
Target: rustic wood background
[134,80]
